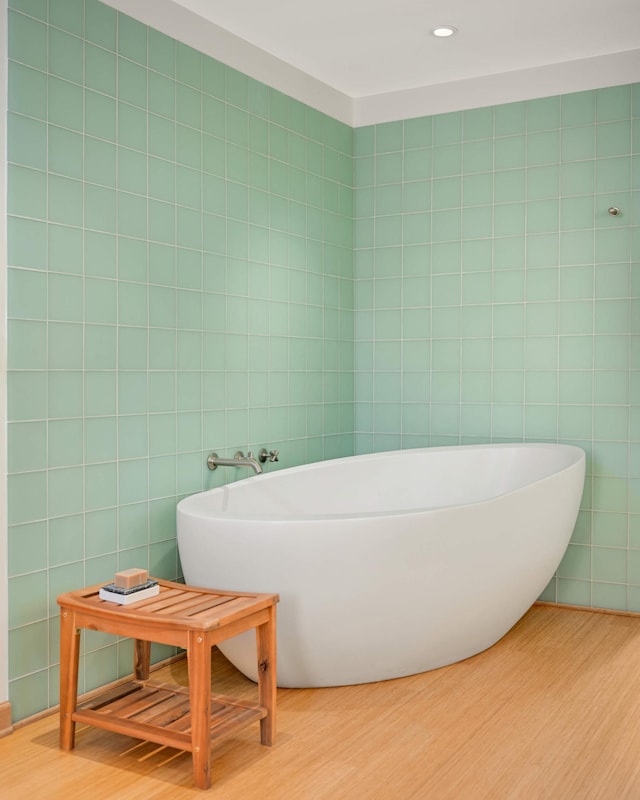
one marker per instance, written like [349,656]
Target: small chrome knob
[268,455]
[614,211]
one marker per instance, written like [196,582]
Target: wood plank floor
[550,712]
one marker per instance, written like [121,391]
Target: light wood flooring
[550,712]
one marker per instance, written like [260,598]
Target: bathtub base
[305,664]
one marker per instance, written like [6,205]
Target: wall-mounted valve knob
[268,455]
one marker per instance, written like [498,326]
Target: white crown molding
[598,72]
[545,81]
[190,29]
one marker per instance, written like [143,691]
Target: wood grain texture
[267,690]
[552,712]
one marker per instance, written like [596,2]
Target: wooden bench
[183,616]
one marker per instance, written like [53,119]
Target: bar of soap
[127,578]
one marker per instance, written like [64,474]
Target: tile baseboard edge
[5,719]
[594,609]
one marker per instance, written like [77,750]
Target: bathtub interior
[400,481]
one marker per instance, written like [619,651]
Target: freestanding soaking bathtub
[387,564]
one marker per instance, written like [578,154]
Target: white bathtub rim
[282,517]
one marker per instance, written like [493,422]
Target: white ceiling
[366,61]
[368,47]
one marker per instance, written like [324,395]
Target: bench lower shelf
[160,712]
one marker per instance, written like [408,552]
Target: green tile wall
[497,300]
[180,280]
[180,248]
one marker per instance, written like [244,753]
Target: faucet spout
[239,460]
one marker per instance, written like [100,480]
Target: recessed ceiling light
[444,30]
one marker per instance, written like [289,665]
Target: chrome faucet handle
[268,455]
[238,454]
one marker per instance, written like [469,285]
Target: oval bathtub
[387,564]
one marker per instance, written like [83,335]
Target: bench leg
[141,659]
[199,656]
[266,644]
[69,655]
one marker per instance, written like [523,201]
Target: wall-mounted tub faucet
[239,460]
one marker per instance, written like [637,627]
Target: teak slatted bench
[183,616]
